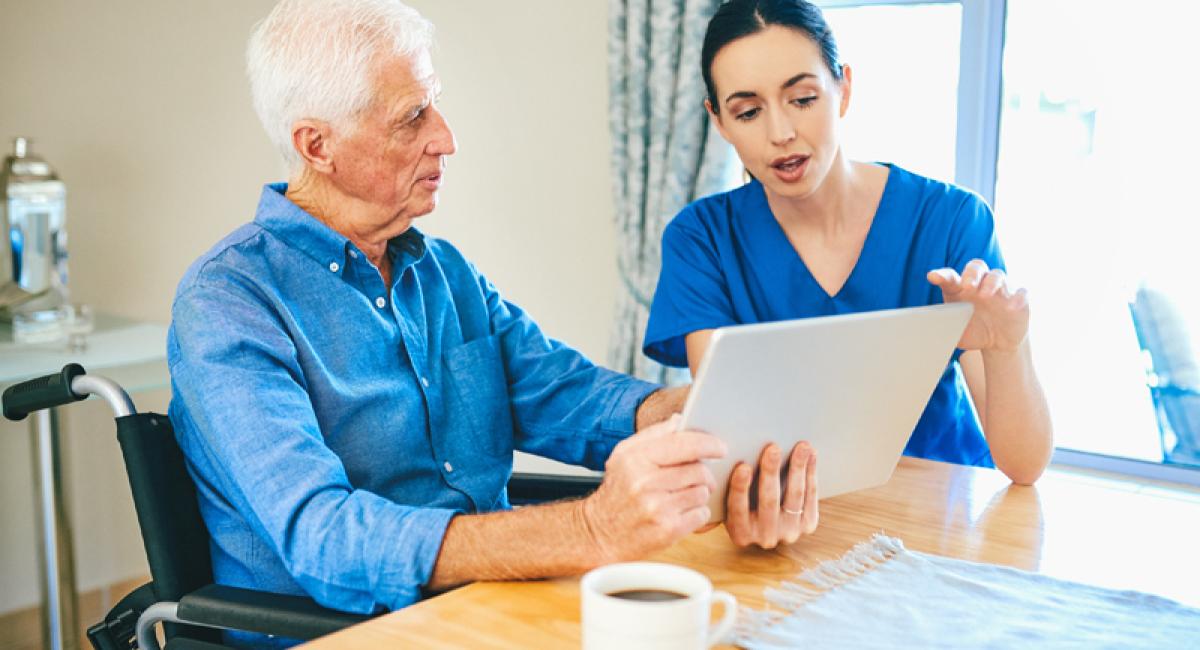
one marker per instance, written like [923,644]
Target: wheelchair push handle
[42,392]
[71,384]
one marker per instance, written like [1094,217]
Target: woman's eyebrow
[741,94]
[749,94]
[797,79]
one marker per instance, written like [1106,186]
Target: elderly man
[348,392]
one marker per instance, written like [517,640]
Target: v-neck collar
[780,247]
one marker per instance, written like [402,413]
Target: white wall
[143,109]
[528,195]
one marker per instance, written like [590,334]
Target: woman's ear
[716,118]
[845,88]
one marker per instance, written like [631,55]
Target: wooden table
[1105,531]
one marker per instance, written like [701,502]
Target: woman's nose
[781,129]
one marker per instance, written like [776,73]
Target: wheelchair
[181,594]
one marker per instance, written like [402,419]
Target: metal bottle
[33,248]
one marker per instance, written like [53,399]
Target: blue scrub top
[727,261]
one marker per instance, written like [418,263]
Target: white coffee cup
[637,605]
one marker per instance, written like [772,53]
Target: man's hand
[1001,318]
[778,517]
[655,491]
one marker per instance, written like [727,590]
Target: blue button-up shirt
[334,425]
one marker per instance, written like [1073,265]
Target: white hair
[312,59]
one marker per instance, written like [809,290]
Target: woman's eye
[804,102]
[748,115]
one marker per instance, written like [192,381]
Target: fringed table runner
[881,595]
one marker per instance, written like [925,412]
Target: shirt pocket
[479,400]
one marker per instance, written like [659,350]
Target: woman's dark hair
[738,18]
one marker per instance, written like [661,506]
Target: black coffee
[647,594]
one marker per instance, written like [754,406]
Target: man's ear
[311,139]
[716,118]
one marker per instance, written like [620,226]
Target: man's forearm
[654,492]
[1018,425]
[660,405]
[532,542]
[548,540]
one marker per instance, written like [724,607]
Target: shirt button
[425,382]
[380,302]
[354,254]
[448,466]
[333,266]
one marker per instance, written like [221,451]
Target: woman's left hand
[786,507]
[1001,319]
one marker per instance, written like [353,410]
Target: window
[1073,118]
[1095,211]
[927,78]
[904,95]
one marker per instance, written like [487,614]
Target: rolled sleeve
[407,564]
[622,411]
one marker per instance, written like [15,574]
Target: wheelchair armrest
[117,630]
[527,488]
[294,617]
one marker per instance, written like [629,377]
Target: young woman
[815,234]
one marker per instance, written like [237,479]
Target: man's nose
[443,142]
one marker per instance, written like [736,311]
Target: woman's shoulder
[933,199]
[711,216]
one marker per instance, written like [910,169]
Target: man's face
[393,158]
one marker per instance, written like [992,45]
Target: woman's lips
[790,169]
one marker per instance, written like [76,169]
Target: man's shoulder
[451,261]
[443,250]
[214,265]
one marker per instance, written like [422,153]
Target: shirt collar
[306,233]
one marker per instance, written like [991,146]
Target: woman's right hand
[1001,318]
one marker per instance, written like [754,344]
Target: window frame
[981,59]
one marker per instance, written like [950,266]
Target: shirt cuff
[406,564]
[621,417]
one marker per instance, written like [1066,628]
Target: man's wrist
[591,531]
[660,405]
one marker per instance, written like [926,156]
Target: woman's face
[780,108]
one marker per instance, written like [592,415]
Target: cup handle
[718,630]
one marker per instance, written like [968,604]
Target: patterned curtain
[664,152]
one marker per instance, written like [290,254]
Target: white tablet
[854,386]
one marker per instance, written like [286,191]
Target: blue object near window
[1173,374]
